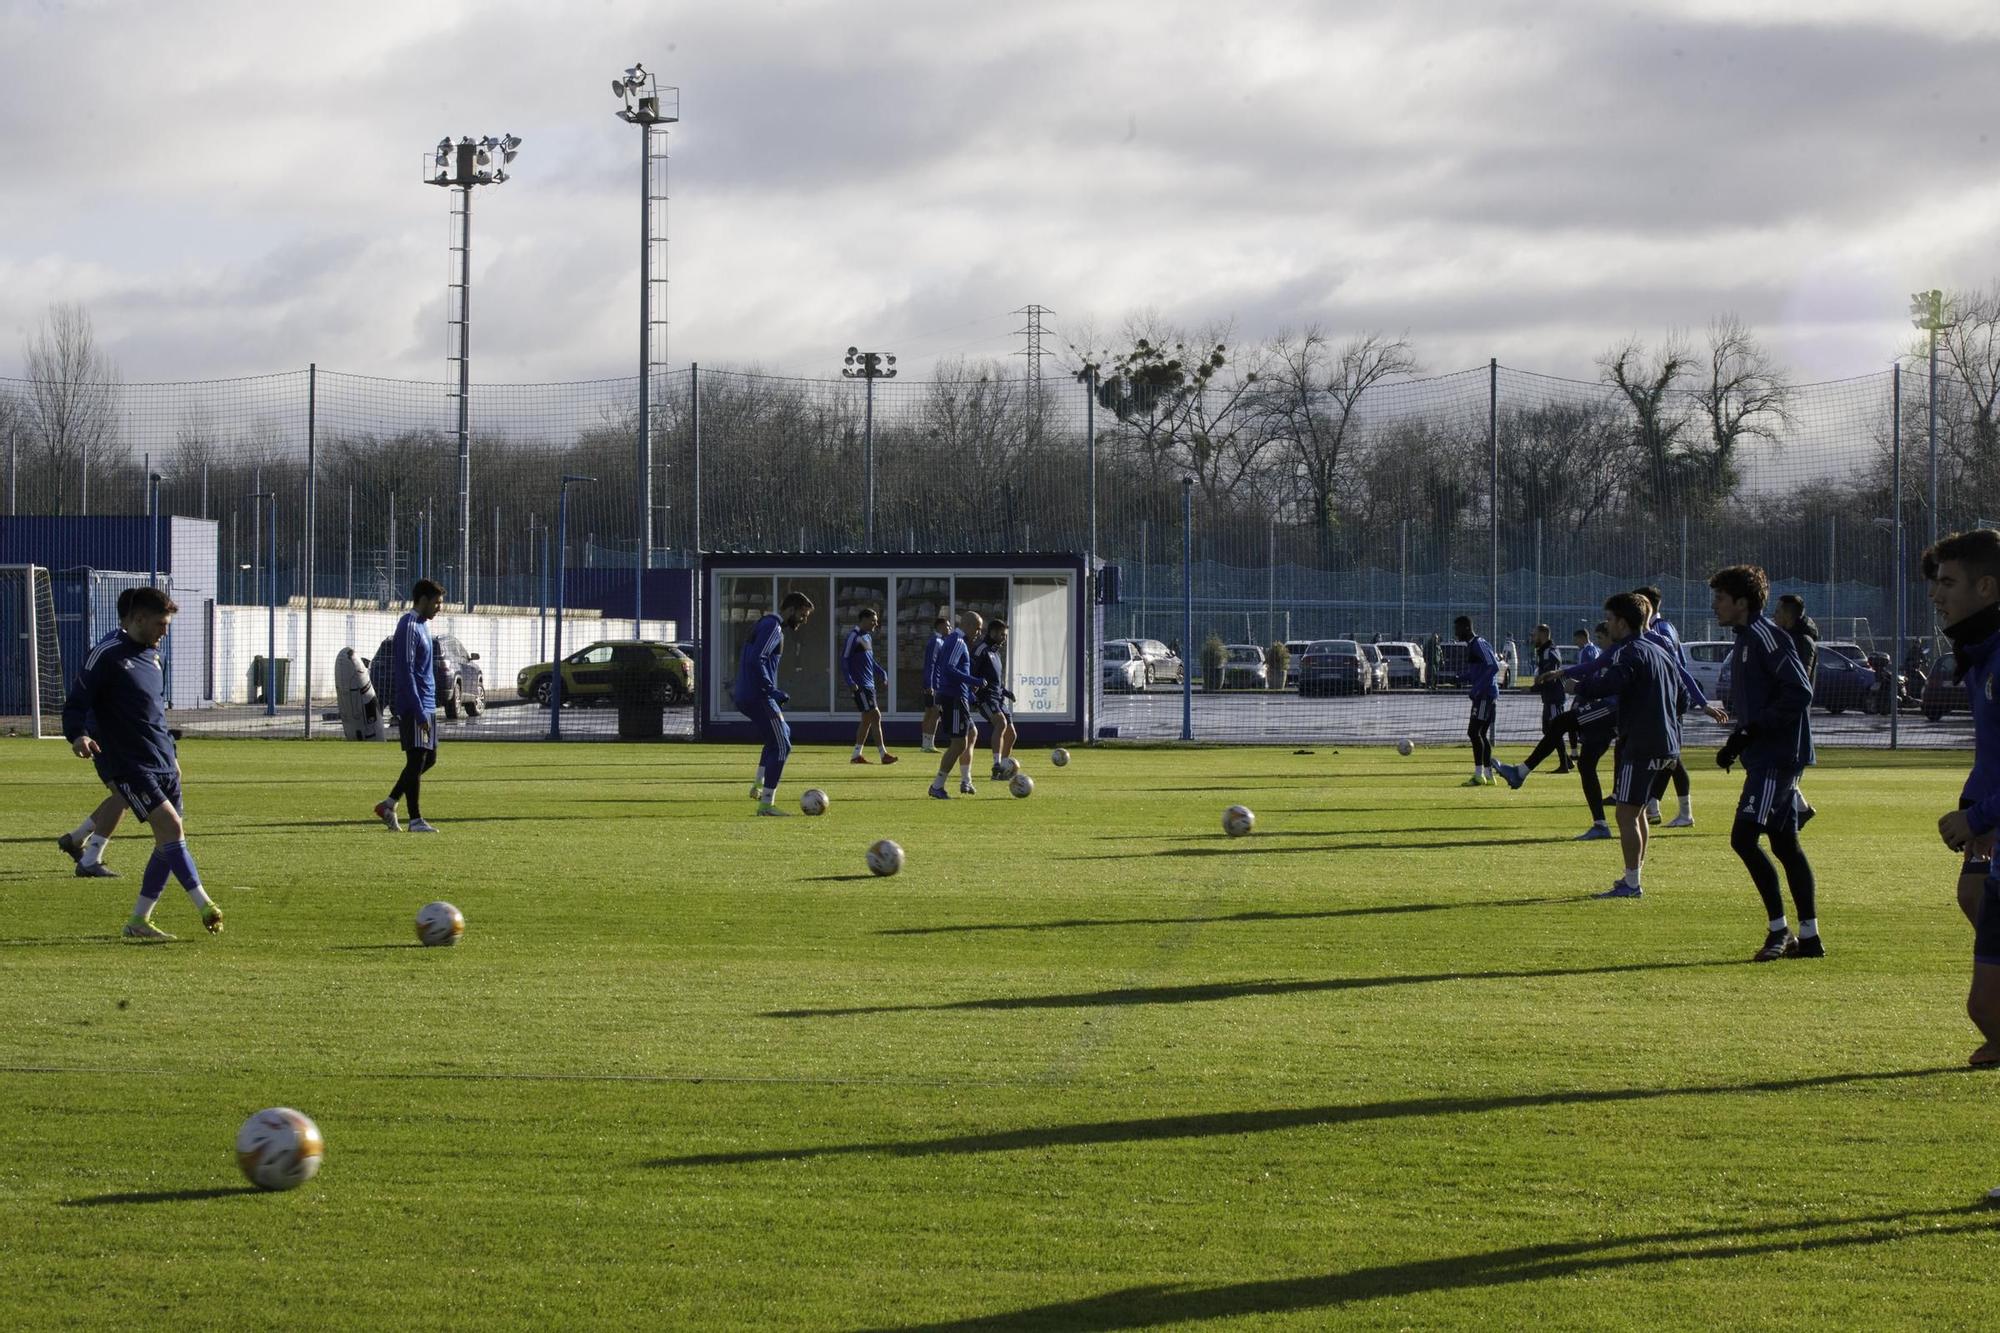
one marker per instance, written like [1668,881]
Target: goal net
[31,673]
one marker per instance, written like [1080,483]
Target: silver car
[1121,667]
[1405,663]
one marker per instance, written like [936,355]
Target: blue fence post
[1187,607]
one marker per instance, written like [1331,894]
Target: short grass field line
[1085,1063]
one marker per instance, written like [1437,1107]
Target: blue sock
[181,861]
[152,882]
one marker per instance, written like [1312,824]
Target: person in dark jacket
[1793,620]
[1770,699]
[1651,699]
[1555,698]
[1480,676]
[1964,574]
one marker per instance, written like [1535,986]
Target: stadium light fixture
[644,105]
[462,166]
[1930,312]
[868,367]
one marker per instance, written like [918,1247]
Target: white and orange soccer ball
[439,925]
[1237,820]
[885,857]
[813,801]
[279,1149]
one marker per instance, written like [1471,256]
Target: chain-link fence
[1249,527]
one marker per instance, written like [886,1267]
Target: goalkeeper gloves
[1732,749]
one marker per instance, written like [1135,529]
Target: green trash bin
[260,680]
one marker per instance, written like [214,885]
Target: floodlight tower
[869,367]
[461,167]
[652,109]
[1930,312]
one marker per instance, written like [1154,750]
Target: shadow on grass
[837,879]
[1309,833]
[1230,990]
[355,948]
[1222,1124]
[1227,846]
[162,1196]
[1078,923]
[59,941]
[1153,1306]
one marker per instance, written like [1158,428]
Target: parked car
[1162,666]
[1243,667]
[461,685]
[1378,666]
[1405,665]
[1942,695]
[1705,659]
[589,672]
[1295,651]
[1120,666]
[1334,666]
[1841,680]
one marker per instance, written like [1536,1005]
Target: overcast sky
[231,186]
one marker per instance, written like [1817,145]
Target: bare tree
[1746,396]
[1660,423]
[72,402]
[1312,392]
[1567,462]
[13,430]
[1970,344]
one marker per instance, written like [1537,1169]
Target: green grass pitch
[1085,1064]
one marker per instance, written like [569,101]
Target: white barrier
[505,643]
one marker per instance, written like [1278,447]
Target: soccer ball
[1009,766]
[1237,820]
[279,1149]
[1021,784]
[1403,746]
[885,858]
[813,801]
[1060,758]
[439,923]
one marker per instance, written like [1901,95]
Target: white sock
[770,796]
[758,781]
[1808,927]
[965,770]
[199,897]
[1687,806]
[93,848]
[1778,922]
[1652,809]
[83,830]
[857,752]
[881,747]
[1598,823]
[1632,876]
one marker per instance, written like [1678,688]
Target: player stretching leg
[1481,678]
[758,697]
[939,629]
[989,664]
[1650,701]
[1773,737]
[1964,574]
[860,669]
[953,682]
[413,669]
[121,691]
[1592,724]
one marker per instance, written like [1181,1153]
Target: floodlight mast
[462,166]
[868,366]
[652,109]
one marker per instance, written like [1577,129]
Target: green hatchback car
[588,673]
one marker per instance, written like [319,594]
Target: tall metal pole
[1538,571]
[312,538]
[562,569]
[1832,523]
[1493,493]
[1187,607]
[1092,647]
[1933,437]
[465,400]
[645,440]
[1403,584]
[698,602]
[868,465]
[1897,577]
[350,542]
[152,529]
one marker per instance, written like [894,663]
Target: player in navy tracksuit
[1964,573]
[1651,699]
[1555,700]
[952,681]
[1592,724]
[1661,631]
[1769,698]
[85,843]
[116,716]
[758,697]
[939,629]
[1481,678]
[413,677]
[989,663]
[860,670]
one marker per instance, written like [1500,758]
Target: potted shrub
[1277,662]
[1213,657]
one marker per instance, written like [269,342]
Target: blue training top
[1770,696]
[1650,698]
[120,699]
[757,671]
[413,666]
[858,666]
[951,677]
[1481,673]
[1981,662]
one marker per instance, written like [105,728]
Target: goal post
[31,673]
